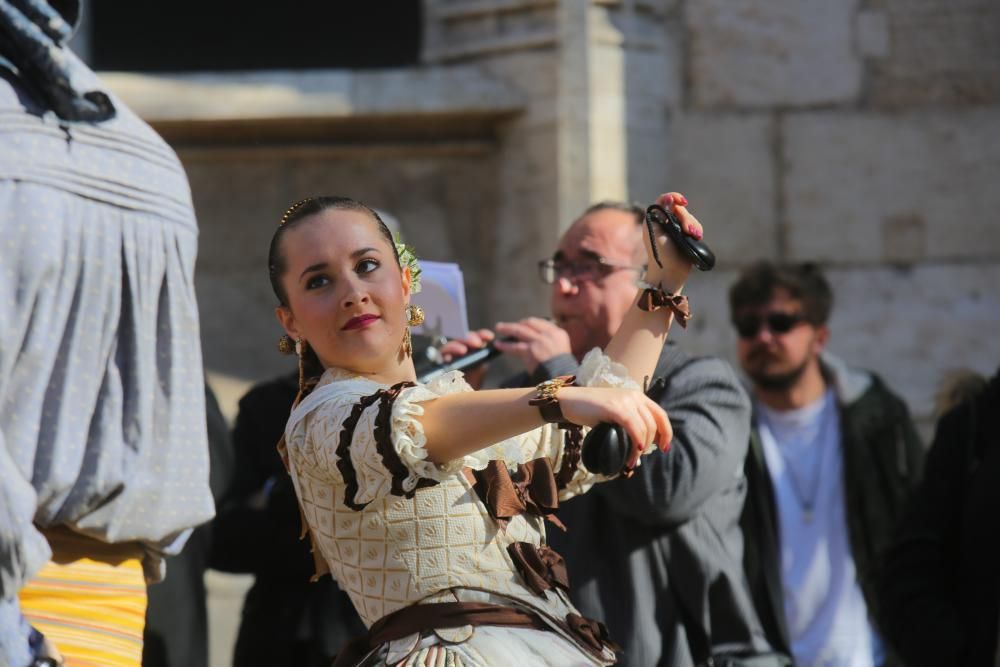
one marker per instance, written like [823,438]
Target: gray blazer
[643,552]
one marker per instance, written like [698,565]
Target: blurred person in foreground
[103,455]
[657,557]
[833,458]
[177,624]
[941,589]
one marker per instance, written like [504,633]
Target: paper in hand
[443,299]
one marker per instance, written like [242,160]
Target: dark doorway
[221,35]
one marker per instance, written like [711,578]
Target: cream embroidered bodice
[396,529]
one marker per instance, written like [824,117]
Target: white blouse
[396,529]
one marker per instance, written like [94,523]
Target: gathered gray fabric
[102,415]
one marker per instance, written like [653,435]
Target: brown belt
[591,635]
[420,617]
[69,546]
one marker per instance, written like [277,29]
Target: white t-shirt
[826,612]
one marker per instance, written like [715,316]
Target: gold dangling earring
[300,350]
[285,345]
[414,318]
[414,315]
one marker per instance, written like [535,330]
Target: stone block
[940,53]
[724,164]
[912,326]
[873,33]
[325,94]
[892,188]
[781,52]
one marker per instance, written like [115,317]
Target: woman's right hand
[676,266]
[643,419]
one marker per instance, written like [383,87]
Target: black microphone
[462,363]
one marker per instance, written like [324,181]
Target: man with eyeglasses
[833,458]
[658,557]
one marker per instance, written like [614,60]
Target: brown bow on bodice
[593,633]
[531,488]
[539,566]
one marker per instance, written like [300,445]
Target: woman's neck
[392,372]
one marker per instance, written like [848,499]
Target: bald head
[591,309]
[627,218]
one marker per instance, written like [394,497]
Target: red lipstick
[360,322]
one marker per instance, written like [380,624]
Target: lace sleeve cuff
[599,370]
[408,436]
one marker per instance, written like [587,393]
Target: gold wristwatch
[547,400]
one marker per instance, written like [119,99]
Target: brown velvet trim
[344,464]
[572,452]
[532,489]
[654,298]
[539,566]
[383,442]
[434,616]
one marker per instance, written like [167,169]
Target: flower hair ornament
[408,259]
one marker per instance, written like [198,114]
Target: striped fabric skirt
[89,601]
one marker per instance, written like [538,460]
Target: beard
[778,381]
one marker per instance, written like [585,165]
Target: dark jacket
[883,460]
[941,590]
[644,552]
[286,618]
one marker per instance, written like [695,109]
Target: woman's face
[346,293]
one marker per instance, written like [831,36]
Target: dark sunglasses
[776,323]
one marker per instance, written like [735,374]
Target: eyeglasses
[586,270]
[776,323]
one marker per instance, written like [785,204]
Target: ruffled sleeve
[599,370]
[410,441]
[367,438]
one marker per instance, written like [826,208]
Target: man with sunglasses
[833,458]
[658,557]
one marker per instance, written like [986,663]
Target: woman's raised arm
[458,424]
[640,338]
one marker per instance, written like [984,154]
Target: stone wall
[862,134]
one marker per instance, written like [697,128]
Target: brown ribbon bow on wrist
[654,298]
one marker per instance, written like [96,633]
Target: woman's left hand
[676,267]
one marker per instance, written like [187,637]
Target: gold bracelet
[547,400]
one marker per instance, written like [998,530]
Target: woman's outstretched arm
[459,424]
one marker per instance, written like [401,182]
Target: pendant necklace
[807,496]
[807,503]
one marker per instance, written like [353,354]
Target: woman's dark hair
[803,281]
[301,210]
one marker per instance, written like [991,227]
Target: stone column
[592,95]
